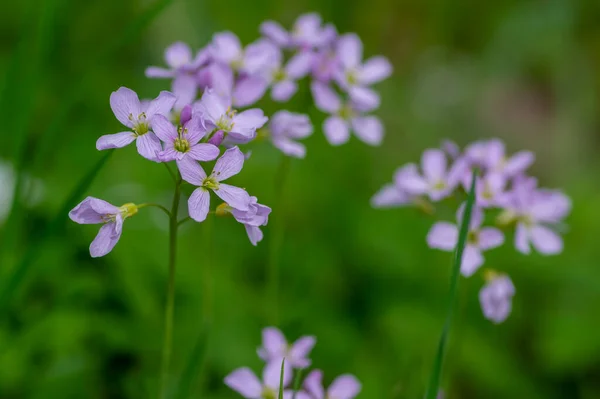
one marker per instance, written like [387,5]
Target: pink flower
[245,382]
[496,298]
[275,348]
[285,128]
[345,386]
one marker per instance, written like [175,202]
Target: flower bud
[217,138]
[186,115]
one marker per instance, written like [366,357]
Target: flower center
[140,125]
[439,185]
[210,183]
[268,393]
[346,112]
[279,75]
[351,77]
[182,145]
[225,122]
[473,237]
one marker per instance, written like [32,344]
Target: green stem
[434,380]
[170,171]
[276,242]
[165,210]
[168,337]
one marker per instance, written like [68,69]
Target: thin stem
[168,337]
[182,221]
[434,380]
[162,208]
[276,242]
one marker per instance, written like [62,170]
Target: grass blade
[297,382]
[194,364]
[281,379]
[20,271]
[434,380]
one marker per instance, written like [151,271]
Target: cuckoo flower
[181,62]
[490,189]
[325,65]
[285,127]
[130,112]
[344,117]
[228,165]
[438,181]
[353,75]
[226,49]
[496,298]
[307,33]
[257,215]
[444,236]
[393,195]
[96,211]
[217,114]
[345,386]
[491,156]
[275,348]
[247,384]
[183,142]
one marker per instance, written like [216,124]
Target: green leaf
[297,382]
[281,379]
[434,380]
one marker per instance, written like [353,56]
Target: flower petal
[211,106]
[204,152]
[234,196]
[390,196]
[191,171]
[490,237]
[105,241]
[408,179]
[249,90]
[149,146]
[244,382]
[518,163]
[349,49]
[284,90]
[199,204]
[313,383]
[164,129]
[275,32]
[117,140]
[545,240]
[299,65]
[274,343]
[433,164]
[169,154]
[272,374]
[178,54]
[185,90]
[156,72]
[375,69]
[246,123]
[344,387]
[299,351]
[255,234]
[471,261]
[369,129]
[91,210]
[443,235]
[336,130]
[326,99]
[522,239]
[289,147]
[161,105]
[226,47]
[125,103]
[364,98]
[230,164]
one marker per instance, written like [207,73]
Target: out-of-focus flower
[181,62]
[490,189]
[307,33]
[275,347]
[130,112]
[444,236]
[285,127]
[228,165]
[438,181]
[238,127]
[226,49]
[96,211]
[325,65]
[496,298]
[346,116]
[490,155]
[392,195]
[183,142]
[247,384]
[345,386]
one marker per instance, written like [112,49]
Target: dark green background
[362,280]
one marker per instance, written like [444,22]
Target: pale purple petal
[275,32]
[195,129]
[284,90]
[91,211]
[156,72]
[551,207]
[199,204]
[211,106]
[289,394]
[259,56]
[471,261]
[344,387]
[249,90]
[245,123]
[325,97]
[443,236]
[313,383]
[272,374]
[234,196]
[105,241]
[364,98]
[185,90]
[490,237]
[522,239]
[244,382]
[169,154]
[349,49]
[390,196]
[518,163]
[300,350]
[409,180]
[336,130]
[221,80]
[255,234]
[164,129]
[291,125]
[117,140]
[274,343]
[496,299]
[476,216]
[203,152]
[191,171]
[161,105]
[433,164]
[148,145]
[226,47]
[374,70]
[369,129]
[178,54]
[125,103]
[545,240]
[495,153]
[229,164]
[289,147]
[451,148]
[299,65]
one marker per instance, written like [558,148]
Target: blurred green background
[362,280]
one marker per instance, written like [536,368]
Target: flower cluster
[502,189]
[276,351]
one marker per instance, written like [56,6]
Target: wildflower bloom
[130,112]
[238,127]
[393,195]
[307,33]
[226,49]
[95,211]
[496,298]
[285,127]
[444,236]
[345,386]
[228,165]
[491,156]
[355,76]
[247,384]
[438,181]
[345,117]
[325,65]
[275,347]
[183,142]
[181,62]
[257,215]
[490,189]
